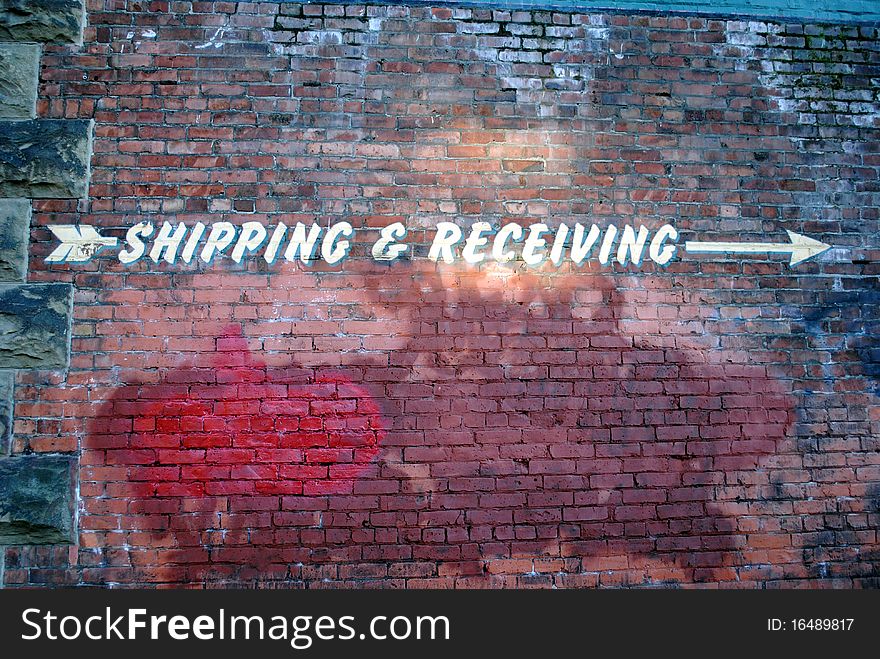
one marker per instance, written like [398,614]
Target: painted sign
[533,244]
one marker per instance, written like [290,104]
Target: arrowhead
[803,248]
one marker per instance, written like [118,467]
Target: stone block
[15,223]
[35,325]
[45,158]
[7,384]
[51,21]
[19,74]
[36,499]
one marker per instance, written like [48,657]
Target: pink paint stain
[222,470]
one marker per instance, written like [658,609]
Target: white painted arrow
[78,243]
[800,247]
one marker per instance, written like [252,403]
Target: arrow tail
[78,243]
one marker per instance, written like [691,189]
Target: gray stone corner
[15,222]
[47,21]
[7,405]
[45,158]
[35,324]
[19,75]
[37,499]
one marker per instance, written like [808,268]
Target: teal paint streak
[807,11]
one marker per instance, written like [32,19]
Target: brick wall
[714,422]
